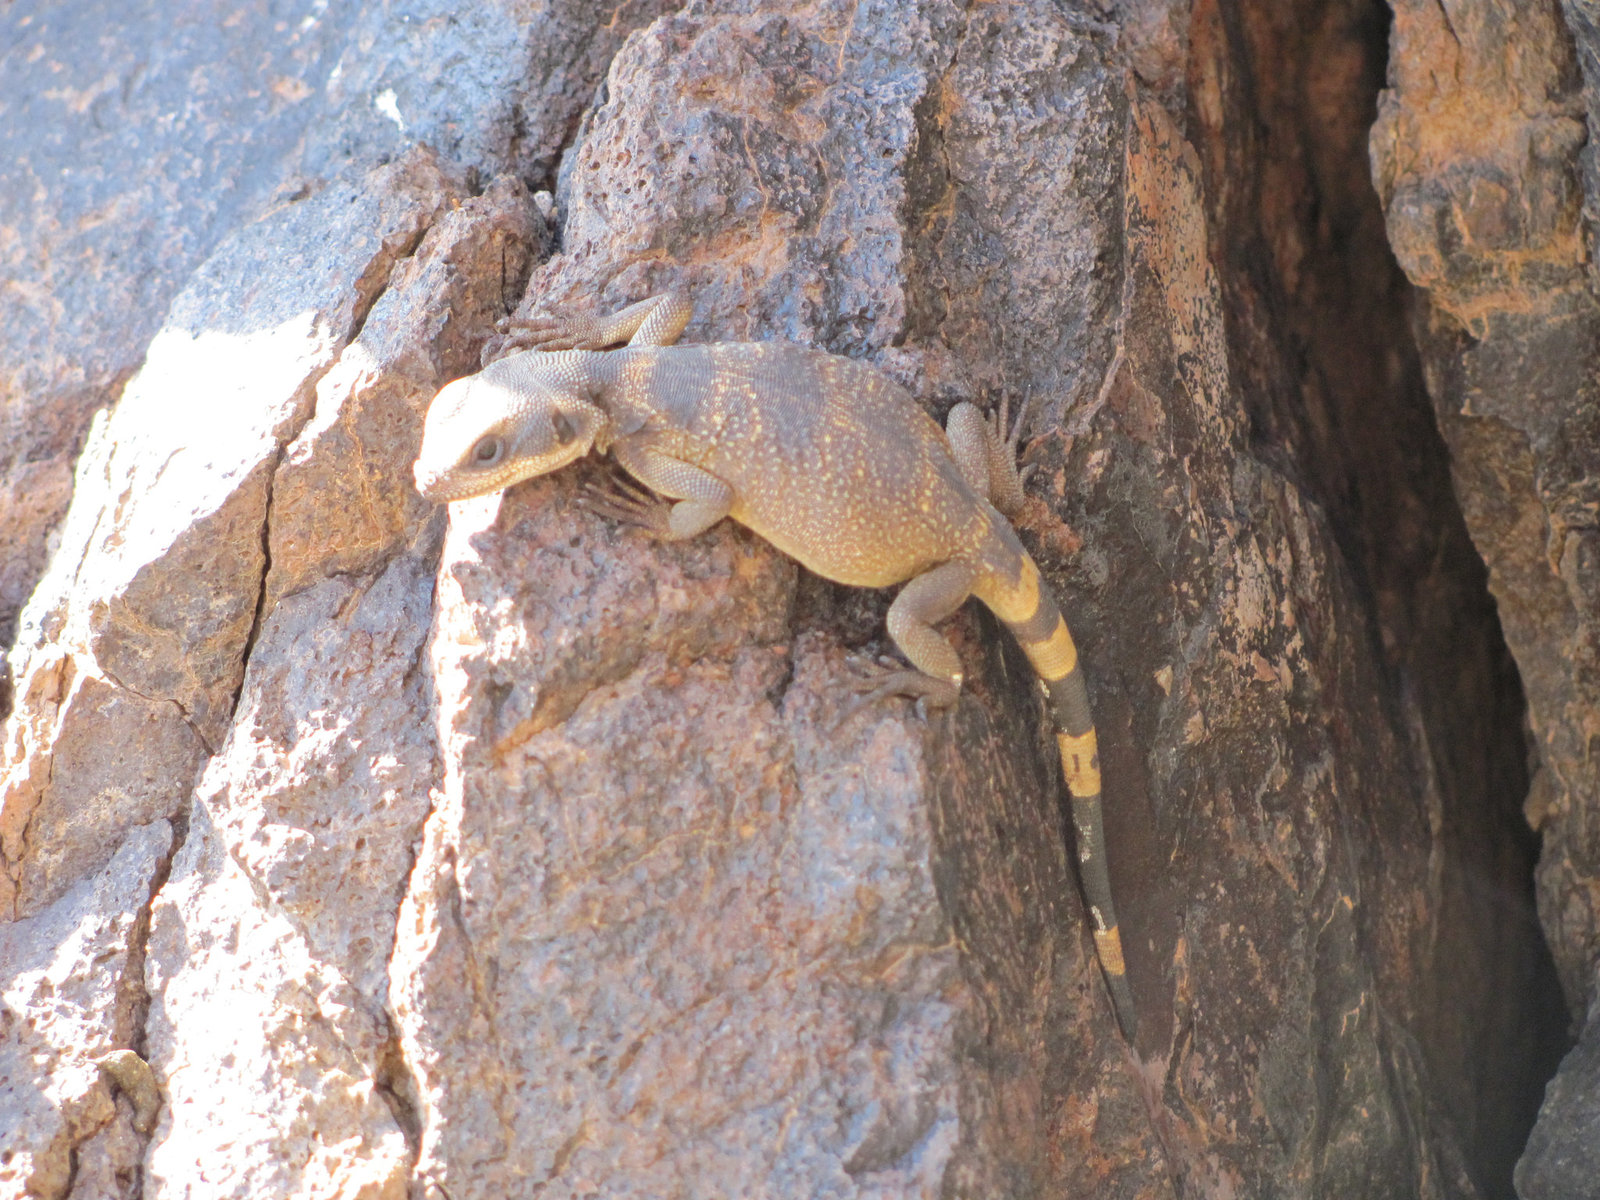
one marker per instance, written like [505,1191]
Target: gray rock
[1562,1161]
[135,143]
[137,638]
[71,994]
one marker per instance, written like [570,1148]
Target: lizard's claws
[1007,429]
[621,499]
[514,334]
[541,331]
[883,678]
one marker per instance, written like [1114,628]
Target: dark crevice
[370,287]
[779,691]
[184,714]
[924,216]
[129,1014]
[397,1084]
[72,1171]
[133,996]
[133,1000]
[1321,345]
[392,1074]
[261,589]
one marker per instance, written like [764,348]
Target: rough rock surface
[1562,1161]
[1485,213]
[73,993]
[507,851]
[136,140]
[1491,209]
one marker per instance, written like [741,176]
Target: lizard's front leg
[701,498]
[657,321]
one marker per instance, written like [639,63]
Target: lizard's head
[482,435]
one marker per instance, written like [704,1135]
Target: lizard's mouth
[457,482]
[438,487]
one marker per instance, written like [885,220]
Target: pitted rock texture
[506,850]
[73,993]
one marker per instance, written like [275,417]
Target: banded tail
[1034,620]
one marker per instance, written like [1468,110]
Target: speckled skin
[826,458]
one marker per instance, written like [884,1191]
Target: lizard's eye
[563,428]
[488,451]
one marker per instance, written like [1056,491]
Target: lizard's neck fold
[614,378]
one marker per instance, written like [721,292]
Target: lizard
[826,458]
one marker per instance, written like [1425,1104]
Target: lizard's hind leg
[936,676]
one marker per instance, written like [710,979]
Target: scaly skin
[827,459]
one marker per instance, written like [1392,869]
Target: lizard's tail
[1034,620]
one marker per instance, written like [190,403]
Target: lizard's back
[831,461]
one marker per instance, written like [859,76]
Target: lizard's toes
[626,502]
[537,332]
[883,679]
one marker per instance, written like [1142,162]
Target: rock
[1562,1161]
[1490,209]
[306,819]
[71,995]
[267,1056]
[138,637]
[130,164]
[360,613]
[127,165]
[516,851]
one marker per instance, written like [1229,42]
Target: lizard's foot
[621,499]
[541,331]
[514,334]
[884,678]
[1005,431]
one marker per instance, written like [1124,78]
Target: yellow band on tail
[1056,657]
[1016,603]
[1080,763]
[1108,946]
